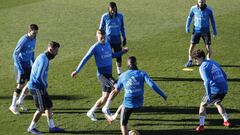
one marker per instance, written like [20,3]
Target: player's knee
[104,98]
[202,113]
[18,91]
[217,103]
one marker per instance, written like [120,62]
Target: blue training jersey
[114,27]
[215,79]
[133,83]
[201,20]
[39,73]
[24,53]
[103,57]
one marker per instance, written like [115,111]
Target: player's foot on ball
[92,116]
[189,64]
[34,131]
[14,110]
[56,130]
[200,128]
[227,123]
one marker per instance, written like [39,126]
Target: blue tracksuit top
[215,79]
[114,27]
[24,52]
[201,20]
[103,57]
[39,73]
[133,83]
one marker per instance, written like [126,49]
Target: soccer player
[103,57]
[133,83]
[112,22]
[23,57]
[38,85]
[216,87]
[201,29]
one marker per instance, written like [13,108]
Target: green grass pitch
[155,35]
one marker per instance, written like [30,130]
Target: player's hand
[74,74]
[125,49]
[124,41]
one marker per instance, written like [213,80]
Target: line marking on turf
[187,69]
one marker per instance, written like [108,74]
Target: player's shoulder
[120,14]
[194,7]
[209,8]
[205,64]
[105,15]
[24,38]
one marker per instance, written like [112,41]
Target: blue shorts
[215,98]
[205,36]
[41,99]
[107,82]
[22,78]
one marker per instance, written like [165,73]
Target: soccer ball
[133,132]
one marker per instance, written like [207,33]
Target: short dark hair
[132,59]
[198,54]
[101,31]
[133,63]
[53,44]
[33,27]
[112,4]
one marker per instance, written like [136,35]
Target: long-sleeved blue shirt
[215,79]
[133,83]
[114,27]
[103,57]
[201,20]
[24,52]
[39,73]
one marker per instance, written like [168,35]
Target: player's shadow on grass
[190,132]
[53,97]
[95,132]
[237,66]
[179,110]
[179,79]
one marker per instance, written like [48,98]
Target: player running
[103,58]
[201,29]
[112,22]
[23,57]
[133,83]
[216,87]
[38,85]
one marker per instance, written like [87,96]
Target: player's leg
[124,117]
[194,40]
[222,110]
[118,48]
[38,99]
[202,114]
[51,125]
[20,101]
[117,112]
[97,105]
[20,84]
[207,41]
